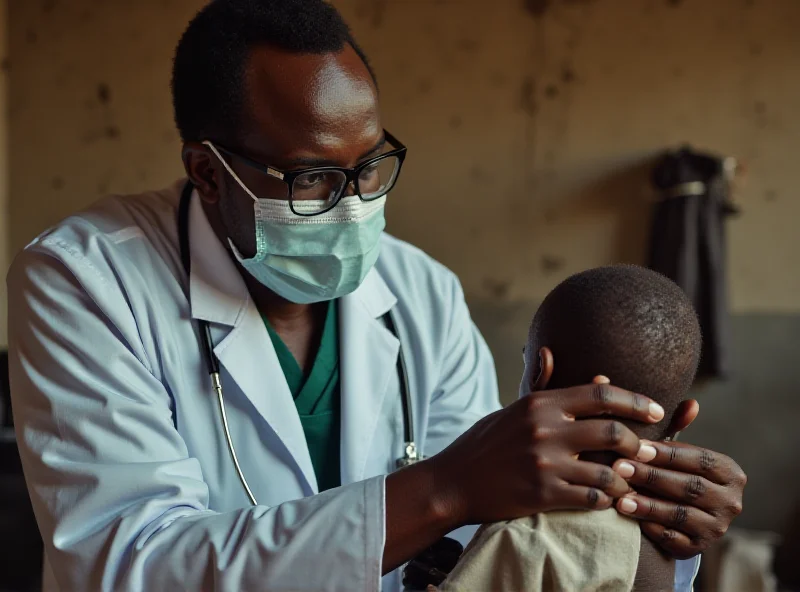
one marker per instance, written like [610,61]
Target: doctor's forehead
[310,106]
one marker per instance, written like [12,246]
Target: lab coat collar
[373,295]
[368,359]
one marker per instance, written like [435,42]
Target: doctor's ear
[201,171]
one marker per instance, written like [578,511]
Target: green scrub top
[317,397]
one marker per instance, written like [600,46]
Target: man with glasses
[268,269]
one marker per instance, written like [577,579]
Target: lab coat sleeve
[120,503]
[467,389]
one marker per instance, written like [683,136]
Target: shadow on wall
[753,417]
[620,194]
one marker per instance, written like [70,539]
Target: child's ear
[545,373]
[683,417]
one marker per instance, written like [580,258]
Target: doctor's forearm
[419,512]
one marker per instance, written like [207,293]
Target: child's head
[625,322]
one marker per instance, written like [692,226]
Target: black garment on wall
[687,244]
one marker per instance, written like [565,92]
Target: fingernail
[627,505]
[646,452]
[625,470]
[656,411]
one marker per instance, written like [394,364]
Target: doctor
[269,265]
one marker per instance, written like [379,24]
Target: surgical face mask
[307,259]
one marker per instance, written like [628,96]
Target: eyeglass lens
[325,187]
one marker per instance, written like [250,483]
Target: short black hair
[208,71]
[629,323]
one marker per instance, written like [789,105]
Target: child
[637,328]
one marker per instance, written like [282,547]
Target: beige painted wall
[530,123]
[4,239]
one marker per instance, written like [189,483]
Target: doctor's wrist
[427,487]
[421,508]
[446,506]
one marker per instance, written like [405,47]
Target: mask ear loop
[230,170]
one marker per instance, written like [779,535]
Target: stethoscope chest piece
[410,456]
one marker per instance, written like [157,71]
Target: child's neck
[656,571]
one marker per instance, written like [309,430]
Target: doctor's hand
[523,459]
[686,497]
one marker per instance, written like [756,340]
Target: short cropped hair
[631,324]
[208,75]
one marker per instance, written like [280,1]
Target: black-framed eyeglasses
[316,190]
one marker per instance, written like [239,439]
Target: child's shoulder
[579,550]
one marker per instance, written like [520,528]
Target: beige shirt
[569,551]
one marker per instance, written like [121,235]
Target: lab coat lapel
[368,361]
[219,295]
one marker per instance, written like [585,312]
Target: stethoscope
[410,453]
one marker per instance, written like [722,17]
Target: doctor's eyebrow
[316,162]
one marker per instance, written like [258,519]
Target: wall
[531,125]
[4,181]
[90,105]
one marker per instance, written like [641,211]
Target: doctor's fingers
[579,497]
[678,487]
[593,475]
[686,458]
[693,522]
[589,435]
[593,400]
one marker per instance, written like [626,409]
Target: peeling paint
[103,93]
[478,174]
[372,10]
[498,79]
[496,288]
[527,96]
[424,86]
[537,8]
[468,45]
[551,263]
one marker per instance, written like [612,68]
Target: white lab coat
[119,430]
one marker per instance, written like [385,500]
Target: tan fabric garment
[569,551]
